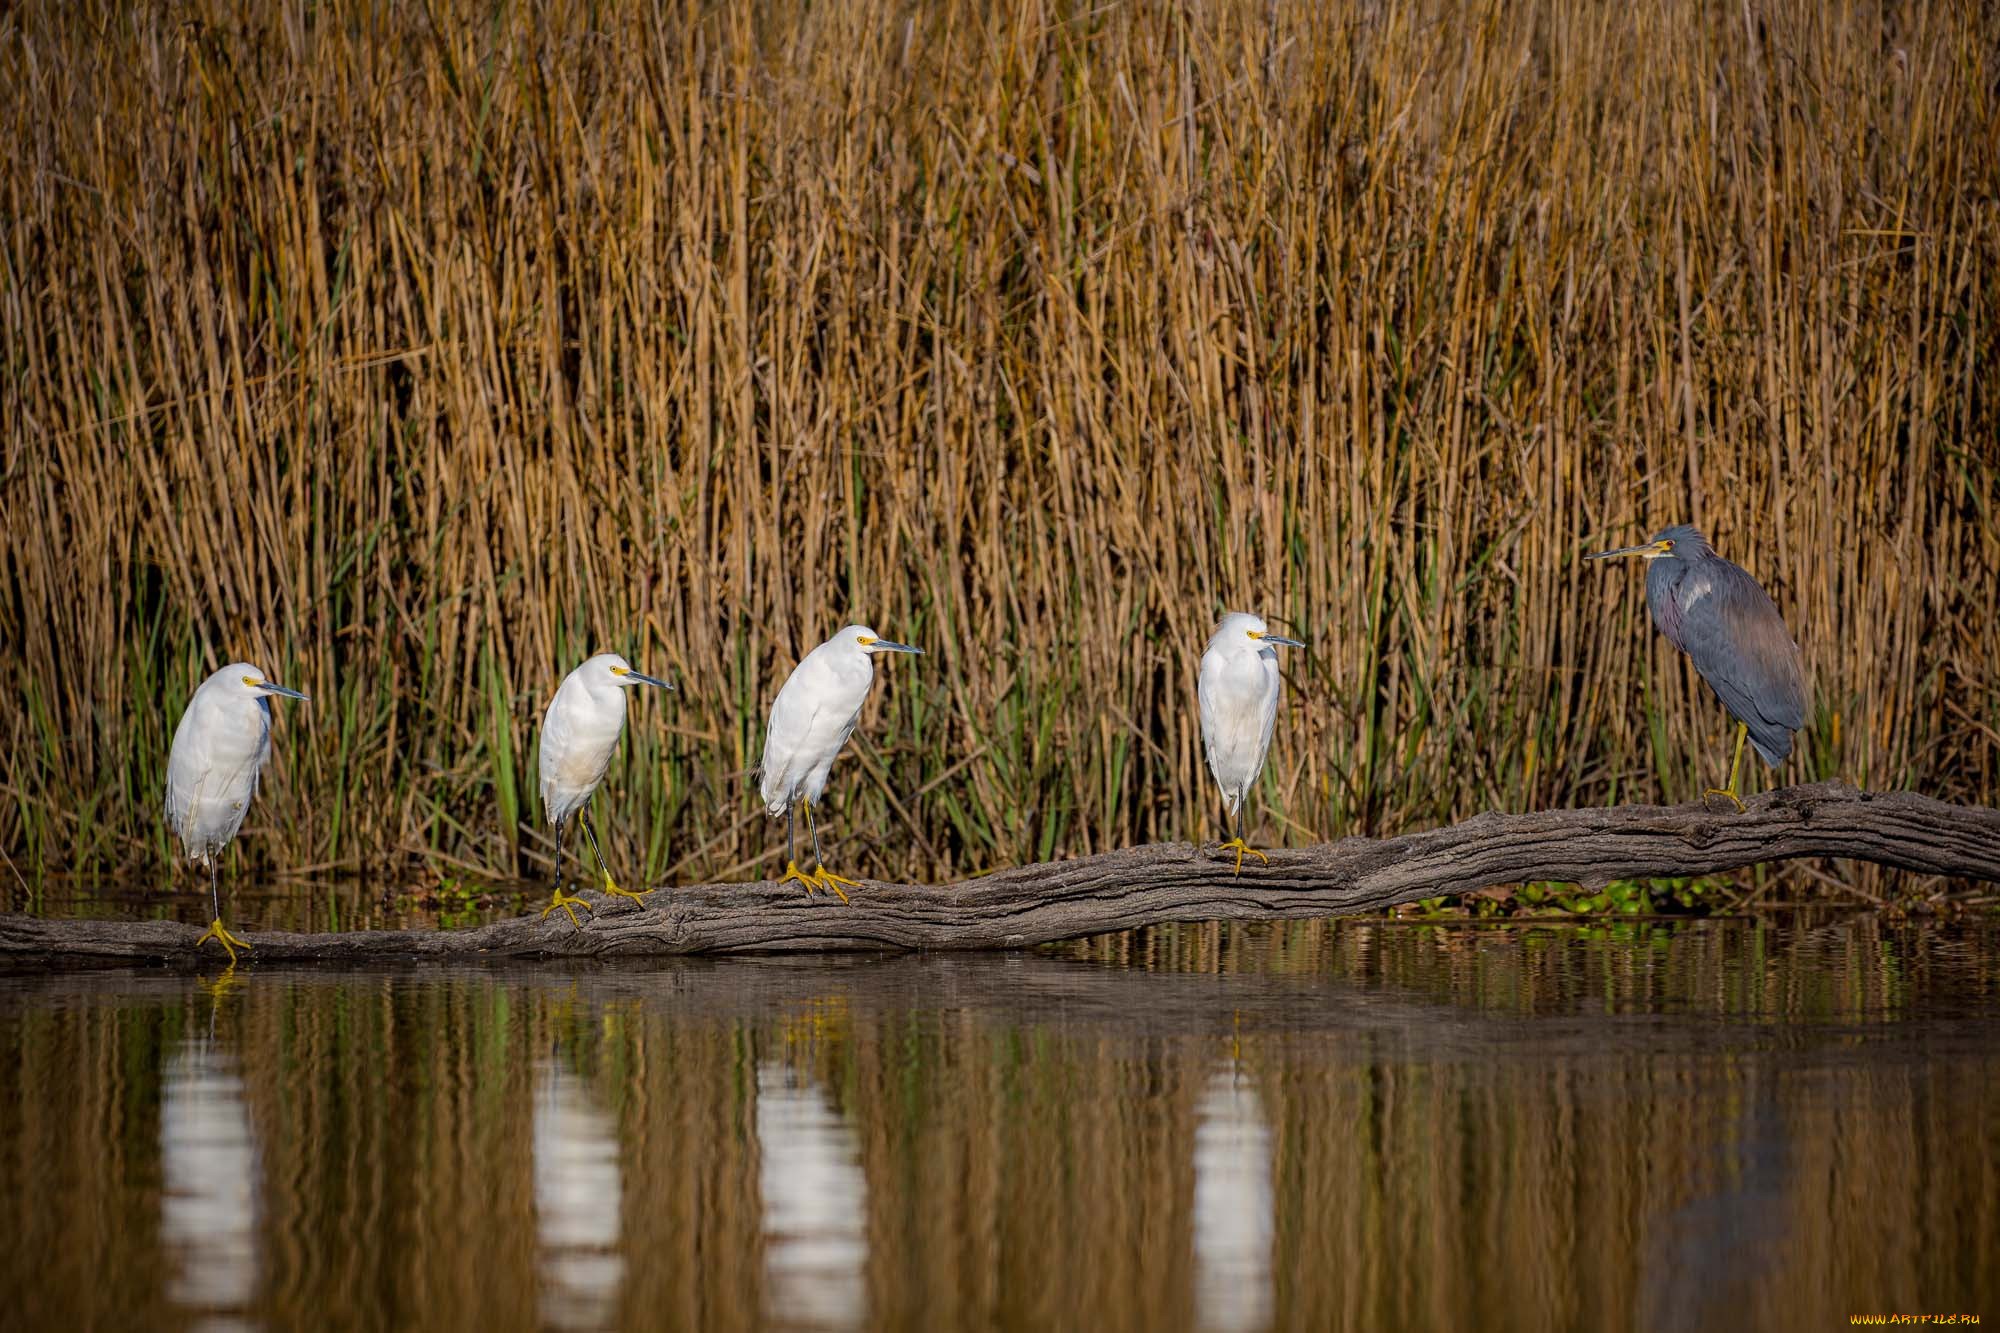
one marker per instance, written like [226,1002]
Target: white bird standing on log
[579,732]
[219,749]
[1238,690]
[811,719]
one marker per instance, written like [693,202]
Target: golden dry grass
[416,351]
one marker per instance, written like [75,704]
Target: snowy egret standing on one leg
[219,748]
[1238,690]
[811,719]
[579,732]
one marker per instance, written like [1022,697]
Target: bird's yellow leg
[792,871]
[825,878]
[1237,845]
[569,903]
[610,884]
[1735,771]
[1242,849]
[220,934]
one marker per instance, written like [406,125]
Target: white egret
[1238,689]
[579,731]
[219,748]
[811,719]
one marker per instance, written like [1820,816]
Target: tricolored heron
[1731,630]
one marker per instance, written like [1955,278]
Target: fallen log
[1138,886]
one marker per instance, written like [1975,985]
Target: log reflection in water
[1355,1127]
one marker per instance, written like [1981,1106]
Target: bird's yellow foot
[828,880]
[792,872]
[220,934]
[611,887]
[569,902]
[1734,799]
[1242,849]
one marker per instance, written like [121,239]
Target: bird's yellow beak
[1650,550]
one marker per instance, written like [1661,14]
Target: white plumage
[219,751]
[1238,691]
[580,730]
[811,719]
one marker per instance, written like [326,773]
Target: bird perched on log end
[1731,630]
[219,750]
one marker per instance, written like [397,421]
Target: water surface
[1329,1126]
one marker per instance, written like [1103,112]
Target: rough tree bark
[1140,886]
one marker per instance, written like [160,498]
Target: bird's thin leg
[216,930]
[610,884]
[1735,771]
[1236,844]
[792,871]
[568,902]
[827,879]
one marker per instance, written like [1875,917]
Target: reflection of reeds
[417,351]
[1442,1153]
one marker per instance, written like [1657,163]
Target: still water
[1359,1125]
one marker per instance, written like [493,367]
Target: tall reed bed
[416,351]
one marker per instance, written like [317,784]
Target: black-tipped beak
[639,678]
[272,687]
[884,646]
[1640,549]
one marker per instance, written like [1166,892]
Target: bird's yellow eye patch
[1255,633]
[252,680]
[865,639]
[1666,544]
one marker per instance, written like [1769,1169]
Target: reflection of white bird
[579,1201]
[579,732]
[812,718]
[1234,1209]
[220,746]
[815,1197]
[209,1207]
[1238,690]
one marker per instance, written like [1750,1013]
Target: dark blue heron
[1730,629]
